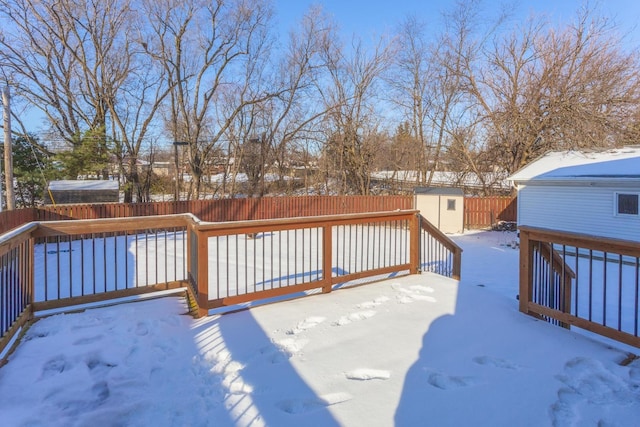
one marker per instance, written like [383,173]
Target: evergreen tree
[89,156]
[32,169]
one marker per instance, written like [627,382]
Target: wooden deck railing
[270,258]
[583,281]
[59,264]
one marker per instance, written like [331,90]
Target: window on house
[451,204]
[626,204]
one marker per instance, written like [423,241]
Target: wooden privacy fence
[583,281]
[217,210]
[59,264]
[481,212]
[15,218]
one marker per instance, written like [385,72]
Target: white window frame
[616,196]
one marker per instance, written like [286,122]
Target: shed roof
[83,185]
[439,191]
[612,165]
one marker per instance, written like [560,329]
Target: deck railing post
[203,273]
[192,256]
[327,257]
[457,264]
[414,245]
[526,267]
[30,272]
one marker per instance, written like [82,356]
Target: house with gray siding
[587,192]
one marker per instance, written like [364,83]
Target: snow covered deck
[416,350]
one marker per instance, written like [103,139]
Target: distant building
[82,191]
[163,168]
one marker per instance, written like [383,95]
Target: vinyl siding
[587,210]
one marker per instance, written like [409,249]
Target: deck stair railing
[575,280]
[438,253]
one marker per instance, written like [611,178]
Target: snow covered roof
[83,185]
[439,191]
[466,179]
[612,165]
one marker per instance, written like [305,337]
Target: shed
[82,191]
[441,206]
[586,192]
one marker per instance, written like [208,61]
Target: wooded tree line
[118,80]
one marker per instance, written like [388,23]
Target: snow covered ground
[417,350]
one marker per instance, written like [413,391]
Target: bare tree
[289,117]
[540,89]
[351,121]
[412,80]
[77,62]
[214,55]
[66,58]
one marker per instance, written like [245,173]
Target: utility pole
[0,187]
[8,155]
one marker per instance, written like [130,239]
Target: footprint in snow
[420,288]
[291,345]
[55,366]
[588,382]
[414,293]
[88,340]
[408,298]
[418,297]
[375,303]
[354,317]
[448,382]
[83,403]
[364,374]
[405,299]
[98,367]
[496,362]
[634,370]
[308,323]
[236,385]
[283,350]
[142,329]
[300,406]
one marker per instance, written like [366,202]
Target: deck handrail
[65,243]
[448,243]
[589,282]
